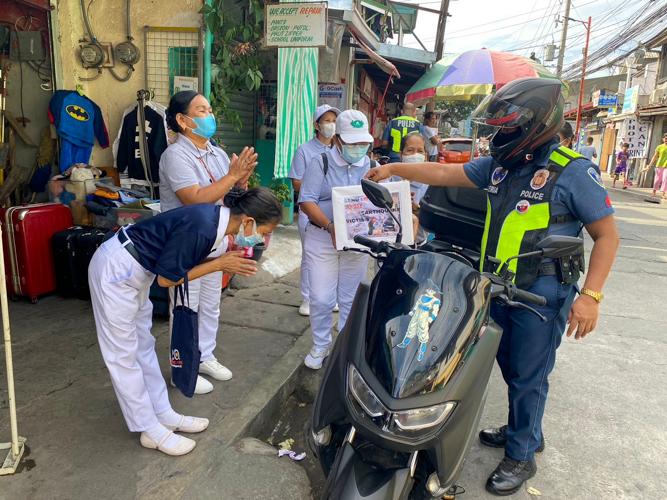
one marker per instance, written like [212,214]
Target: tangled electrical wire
[640,24]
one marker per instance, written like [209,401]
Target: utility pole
[563,39]
[583,75]
[440,33]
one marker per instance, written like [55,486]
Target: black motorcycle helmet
[528,114]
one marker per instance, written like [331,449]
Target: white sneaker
[335,309]
[304,310]
[316,356]
[203,386]
[182,447]
[215,370]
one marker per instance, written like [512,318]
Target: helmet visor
[501,114]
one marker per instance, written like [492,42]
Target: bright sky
[524,26]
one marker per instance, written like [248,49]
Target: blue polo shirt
[172,243]
[578,191]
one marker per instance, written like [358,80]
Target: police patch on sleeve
[596,177]
[498,176]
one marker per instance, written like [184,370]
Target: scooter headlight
[421,418]
[363,394]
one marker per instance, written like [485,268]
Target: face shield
[500,114]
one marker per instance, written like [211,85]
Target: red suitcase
[26,238]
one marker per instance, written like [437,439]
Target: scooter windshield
[425,316]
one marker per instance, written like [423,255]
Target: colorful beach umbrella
[474,73]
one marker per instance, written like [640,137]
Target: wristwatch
[596,295]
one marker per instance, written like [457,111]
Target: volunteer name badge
[354,215]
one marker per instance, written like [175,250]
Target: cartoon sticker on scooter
[423,313]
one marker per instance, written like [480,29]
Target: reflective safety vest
[400,127]
[519,215]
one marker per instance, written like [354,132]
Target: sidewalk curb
[647,198]
[246,420]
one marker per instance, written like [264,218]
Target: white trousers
[205,300]
[333,276]
[305,284]
[119,288]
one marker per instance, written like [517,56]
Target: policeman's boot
[510,475]
[497,438]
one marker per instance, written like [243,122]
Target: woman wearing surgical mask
[324,121]
[333,275]
[413,150]
[194,170]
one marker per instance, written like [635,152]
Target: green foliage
[458,110]
[235,53]
[254,180]
[282,190]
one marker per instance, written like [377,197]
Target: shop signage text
[301,24]
[630,99]
[603,100]
[635,134]
[333,95]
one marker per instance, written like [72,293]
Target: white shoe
[198,425]
[183,447]
[335,309]
[203,386]
[215,370]
[304,310]
[316,356]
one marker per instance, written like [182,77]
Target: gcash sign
[299,24]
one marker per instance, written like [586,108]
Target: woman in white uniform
[333,274]
[169,246]
[192,171]
[324,121]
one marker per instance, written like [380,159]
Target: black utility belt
[567,269]
[131,249]
[316,225]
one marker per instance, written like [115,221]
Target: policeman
[324,121]
[171,246]
[523,209]
[399,128]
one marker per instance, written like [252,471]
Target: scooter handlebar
[374,245]
[531,298]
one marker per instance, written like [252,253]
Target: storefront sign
[603,100]
[333,95]
[355,215]
[630,99]
[299,24]
[635,133]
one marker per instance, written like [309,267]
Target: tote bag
[185,355]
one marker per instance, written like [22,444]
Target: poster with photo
[354,214]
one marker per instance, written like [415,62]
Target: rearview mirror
[377,194]
[559,246]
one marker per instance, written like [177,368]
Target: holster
[570,267]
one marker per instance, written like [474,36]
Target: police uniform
[333,274]
[120,275]
[183,165]
[396,130]
[551,195]
[302,158]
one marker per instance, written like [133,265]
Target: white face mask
[415,158]
[327,130]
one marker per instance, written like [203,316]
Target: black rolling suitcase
[72,250]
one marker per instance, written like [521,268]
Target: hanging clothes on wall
[78,121]
[126,146]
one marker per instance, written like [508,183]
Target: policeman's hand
[332,232]
[234,263]
[380,173]
[241,166]
[583,317]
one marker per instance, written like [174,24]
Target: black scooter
[406,383]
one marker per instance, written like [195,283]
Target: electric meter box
[26,46]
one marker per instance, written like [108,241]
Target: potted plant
[284,194]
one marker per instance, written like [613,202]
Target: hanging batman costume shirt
[78,121]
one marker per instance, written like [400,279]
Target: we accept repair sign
[299,24]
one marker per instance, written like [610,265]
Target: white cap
[352,126]
[323,109]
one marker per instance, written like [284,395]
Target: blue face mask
[248,241]
[206,126]
[352,153]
